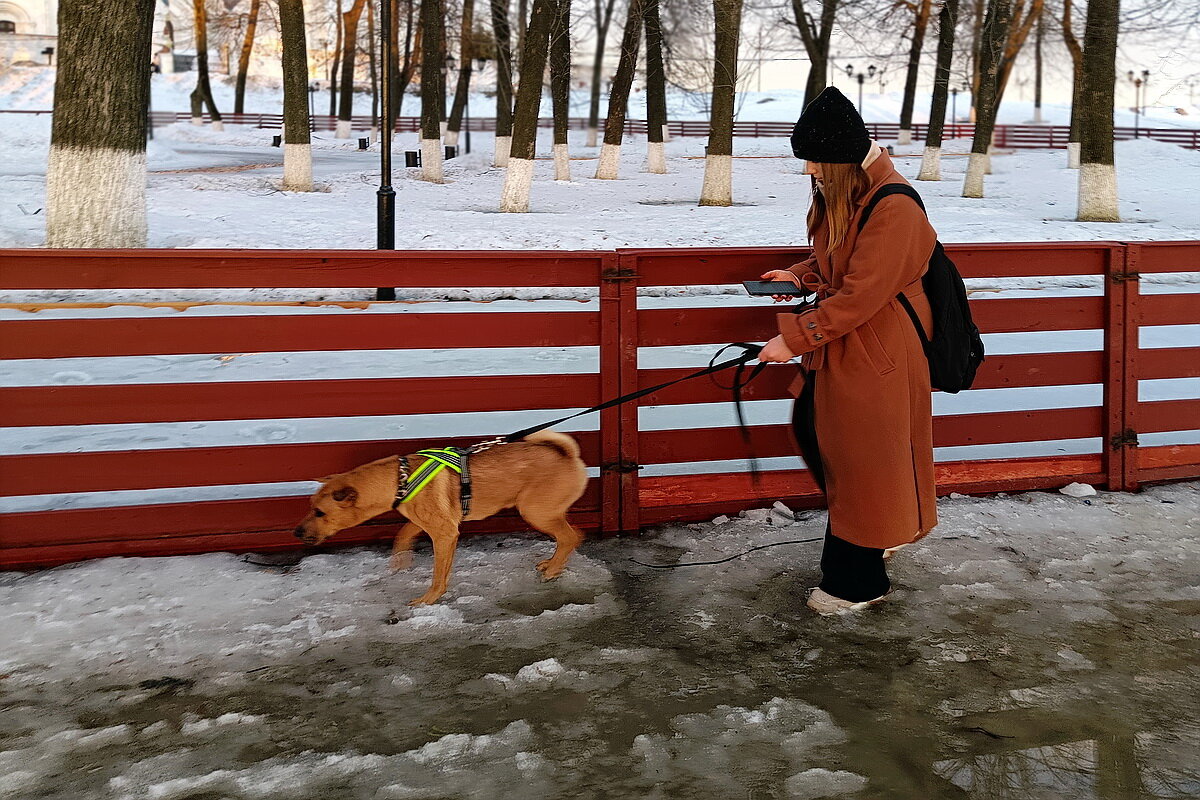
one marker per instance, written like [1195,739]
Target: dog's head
[335,507]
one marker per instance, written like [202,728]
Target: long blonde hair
[844,184]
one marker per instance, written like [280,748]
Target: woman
[863,416]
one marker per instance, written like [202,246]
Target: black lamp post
[312,90]
[861,77]
[48,52]
[1138,82]
[385,206]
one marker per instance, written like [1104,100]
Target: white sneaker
[825,604]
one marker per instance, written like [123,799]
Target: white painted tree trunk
[976,169]
[452,138]
[218,125]
[344,129]
[656,158]
[987,168]
[931,165]
[197,120]
[562,163]
[374,134]
[666,132]
[591,137]
[444,125]
[610,162]
[95,197]
[1098,193]
[431,161]
[1073,155]
[518,177]
[718,181]
[297,168]
[503,147]
[1037,115]
[905,136]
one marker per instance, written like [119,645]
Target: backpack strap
[887,190]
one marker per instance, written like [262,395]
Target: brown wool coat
[872,403]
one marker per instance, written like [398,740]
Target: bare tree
[202,96]
[1076,51]
[604,13]
[922,10]
[560,87]
[1097,170]
[815,37]
[618,97]
[297,147]
[371,67]
[96,178]
[931,161]
[718,162]
[333,62]
[404,71]
[463,87]
[350,20]
[431,63]
[519,175]
[504,100]
[656,91]
[1037,70]
[992,42]
[239,92]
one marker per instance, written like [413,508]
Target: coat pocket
[876,352]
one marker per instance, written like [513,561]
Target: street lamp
[1191,84]
[1138,82]
[862,77]
[312,90]
[385,197]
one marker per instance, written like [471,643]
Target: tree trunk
[991,51]
[202,94]
[604,12]
[931,161]
[297,147]
[1097,170]
[349,51]
[976,34]
[914,65]
[461,89]
[618,98]
[96,178]
[519,175]
[718,163]
[404,74]
[656,92]
[1037,72]
[431,133]
[441,72]
[504,100]
[522,20]
[560,87]
[333,64]
[373,70]
[239,95]
[816,45]
[1076,51]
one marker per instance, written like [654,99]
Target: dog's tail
[559,441]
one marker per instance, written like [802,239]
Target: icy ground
[1037,646]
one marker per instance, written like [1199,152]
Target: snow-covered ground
[1037,646]
[234,201]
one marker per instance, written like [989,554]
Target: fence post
[627,270]
[607,278]
[1120,378]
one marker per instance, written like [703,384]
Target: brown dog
[540,476]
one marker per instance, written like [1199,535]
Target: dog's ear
[345,496]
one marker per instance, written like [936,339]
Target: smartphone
[770,288]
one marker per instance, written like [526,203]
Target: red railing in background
[620,499]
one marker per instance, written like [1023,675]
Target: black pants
[848,570]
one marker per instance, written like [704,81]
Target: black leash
[723,560]
[750,353]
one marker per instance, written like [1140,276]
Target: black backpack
[956,349]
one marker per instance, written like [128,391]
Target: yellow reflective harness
[435,462]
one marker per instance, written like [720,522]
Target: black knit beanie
[830,131]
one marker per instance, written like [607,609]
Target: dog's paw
[399,562]
[427,599]
[549,571]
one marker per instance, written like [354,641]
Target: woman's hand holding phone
[782,275]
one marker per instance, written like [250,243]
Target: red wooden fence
[619,499]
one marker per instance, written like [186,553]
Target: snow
[1024,633]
